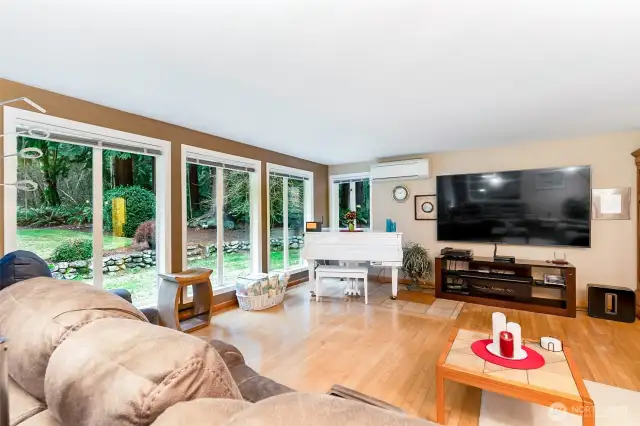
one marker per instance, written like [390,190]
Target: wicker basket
[272,289]
[257,303]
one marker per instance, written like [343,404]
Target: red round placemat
[531,362]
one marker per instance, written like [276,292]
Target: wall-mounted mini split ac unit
[401,170]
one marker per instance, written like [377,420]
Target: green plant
[140,206]
[45,216]
[416,263]
[73,249]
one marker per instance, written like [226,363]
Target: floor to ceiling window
[94,215]
[290,206]
[351,192]
[222,202]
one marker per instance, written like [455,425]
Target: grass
[43,241]
[141,283]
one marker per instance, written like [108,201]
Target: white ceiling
[337,81]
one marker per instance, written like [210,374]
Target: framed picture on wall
[425,207]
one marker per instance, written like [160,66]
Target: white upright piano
[379,248]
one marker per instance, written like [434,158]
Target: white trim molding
[188,151]
[99,138]
[334,202]
[305,175]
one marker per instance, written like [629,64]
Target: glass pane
[362,204]
[296,221]
[129,231]
[343,203]
[201,212]
[276,201]
[237,230]
[55,221]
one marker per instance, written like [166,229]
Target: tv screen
[550,207]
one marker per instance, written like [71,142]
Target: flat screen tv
[546,207]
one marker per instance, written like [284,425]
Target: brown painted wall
[87,112]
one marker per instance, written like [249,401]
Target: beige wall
[86,112]
[612,256]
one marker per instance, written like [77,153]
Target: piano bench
[333,271]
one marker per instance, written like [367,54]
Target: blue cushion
[21,265]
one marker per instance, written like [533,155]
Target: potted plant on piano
[416,264]
[350,217]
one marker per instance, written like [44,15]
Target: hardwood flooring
[390,354]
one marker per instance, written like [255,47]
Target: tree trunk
[193,187]
[123,171]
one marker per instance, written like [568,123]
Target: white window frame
[308,210]
[334,201]
[255,209]
[14,116]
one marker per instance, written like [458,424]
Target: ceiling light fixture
[27,100]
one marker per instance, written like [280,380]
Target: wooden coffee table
[557,384]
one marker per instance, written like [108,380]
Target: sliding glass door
[222,202]
[290,206]
[94,214]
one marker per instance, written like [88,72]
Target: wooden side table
[169,293]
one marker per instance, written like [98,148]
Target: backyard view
[56,220]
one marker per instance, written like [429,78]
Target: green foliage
[416,263]
[140,206]
[73,249]
[45,216]
[296,201]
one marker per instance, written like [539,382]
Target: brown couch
[82,356]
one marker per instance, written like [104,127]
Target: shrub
[73,249]
[146,232]
[54,215]
[140,206]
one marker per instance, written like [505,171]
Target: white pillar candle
[516,331]
[499,323]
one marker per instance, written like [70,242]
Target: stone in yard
[105,269]
[138,260]
[111,274]
[192,247]
[57,275]
[88,276]
[113,268]
[70,276]
[119,262]
[110,262]
[78,264]
[149,252]
[136,254]
[122,267]
[149,260]
[144,265]
[53,267]
[294,245]
[63,265]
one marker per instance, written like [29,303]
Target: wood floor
[391,355]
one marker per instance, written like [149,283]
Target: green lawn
[42,241]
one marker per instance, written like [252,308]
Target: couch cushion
[201,412]
[318,410]
[116,371]
[37,314]
[21,404]
[44,418]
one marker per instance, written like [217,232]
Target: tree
[55,163]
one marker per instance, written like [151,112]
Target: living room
[474,196]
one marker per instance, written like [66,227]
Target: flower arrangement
[350,216]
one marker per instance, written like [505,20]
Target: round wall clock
[400,193]
[427,207]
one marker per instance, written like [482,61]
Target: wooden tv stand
[518,285]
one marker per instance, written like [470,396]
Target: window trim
[307,176]
[14,117]
[255,197]
[334,202]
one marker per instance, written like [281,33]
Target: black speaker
[612,303]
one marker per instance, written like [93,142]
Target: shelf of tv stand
[514,274]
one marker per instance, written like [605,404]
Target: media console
[520,285]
